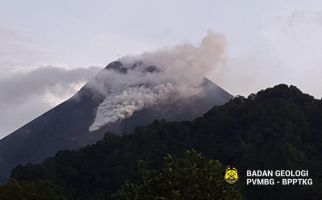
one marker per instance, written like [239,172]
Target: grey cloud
[22,85]
[26,95]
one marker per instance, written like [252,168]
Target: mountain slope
[278,128]
[67,125]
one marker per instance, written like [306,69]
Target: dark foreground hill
[67,125]
[277,128]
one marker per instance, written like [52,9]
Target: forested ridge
[277,128]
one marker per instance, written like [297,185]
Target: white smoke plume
[162,76]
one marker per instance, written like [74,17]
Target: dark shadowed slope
[278,128]
[66,126]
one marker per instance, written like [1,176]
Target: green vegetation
[278,128]
[191,177]
[26,190]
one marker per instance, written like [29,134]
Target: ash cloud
[26,94]
[164,76]
[19,86]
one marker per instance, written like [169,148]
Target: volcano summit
[119,98]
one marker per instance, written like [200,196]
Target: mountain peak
[132,94]
[117,66]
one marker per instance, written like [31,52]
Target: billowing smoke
[163,76]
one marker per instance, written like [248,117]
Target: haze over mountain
[135,90]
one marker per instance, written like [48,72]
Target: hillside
[277,128]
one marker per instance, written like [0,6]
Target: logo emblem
[231,175]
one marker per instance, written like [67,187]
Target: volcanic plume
[163,76]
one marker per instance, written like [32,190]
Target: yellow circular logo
[231,175]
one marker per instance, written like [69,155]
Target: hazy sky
[267,42]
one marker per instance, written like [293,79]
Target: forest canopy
[277,128]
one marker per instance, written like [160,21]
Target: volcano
[86,117]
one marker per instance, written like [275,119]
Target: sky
[49,49]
